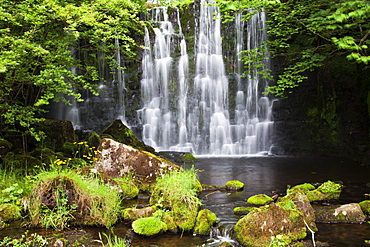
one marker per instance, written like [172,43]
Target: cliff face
[327,114]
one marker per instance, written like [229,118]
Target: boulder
[117,160]
[287,218]
[348,213]
[123,134]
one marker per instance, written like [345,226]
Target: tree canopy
[305,34]
[38,43]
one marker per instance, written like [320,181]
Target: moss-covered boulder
[9,212]
[260,199]
[204,221]
[326,191]
[138,213]
[365,206]
[149,226]
[286,218]
[348,213]
[234,185]
[5,146]
[117,160]
[121,133]
[60,199]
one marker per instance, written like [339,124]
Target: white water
[191,113]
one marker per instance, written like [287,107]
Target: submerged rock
[348,213]
[116,160]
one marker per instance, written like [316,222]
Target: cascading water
[191,112]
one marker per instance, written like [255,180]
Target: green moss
[330,187]
[129,188]
[305,186]
[148,226]
[167,218]
[204,221]
[260,199]
[365,206]
[234,185]
[9,212]
[243,210]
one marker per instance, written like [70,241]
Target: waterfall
[191,112]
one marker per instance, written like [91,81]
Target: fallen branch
[312,232]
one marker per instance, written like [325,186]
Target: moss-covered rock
[178,191]
[286,218]
[234,185]
[9,212]
[138,213]
[305,186]
[243,210]
[204,221]
[326,191]
[348,213]
[365,206]
[260,199]
[149,226]
[121,133]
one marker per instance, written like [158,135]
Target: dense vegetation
[307,34]
[38,43]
